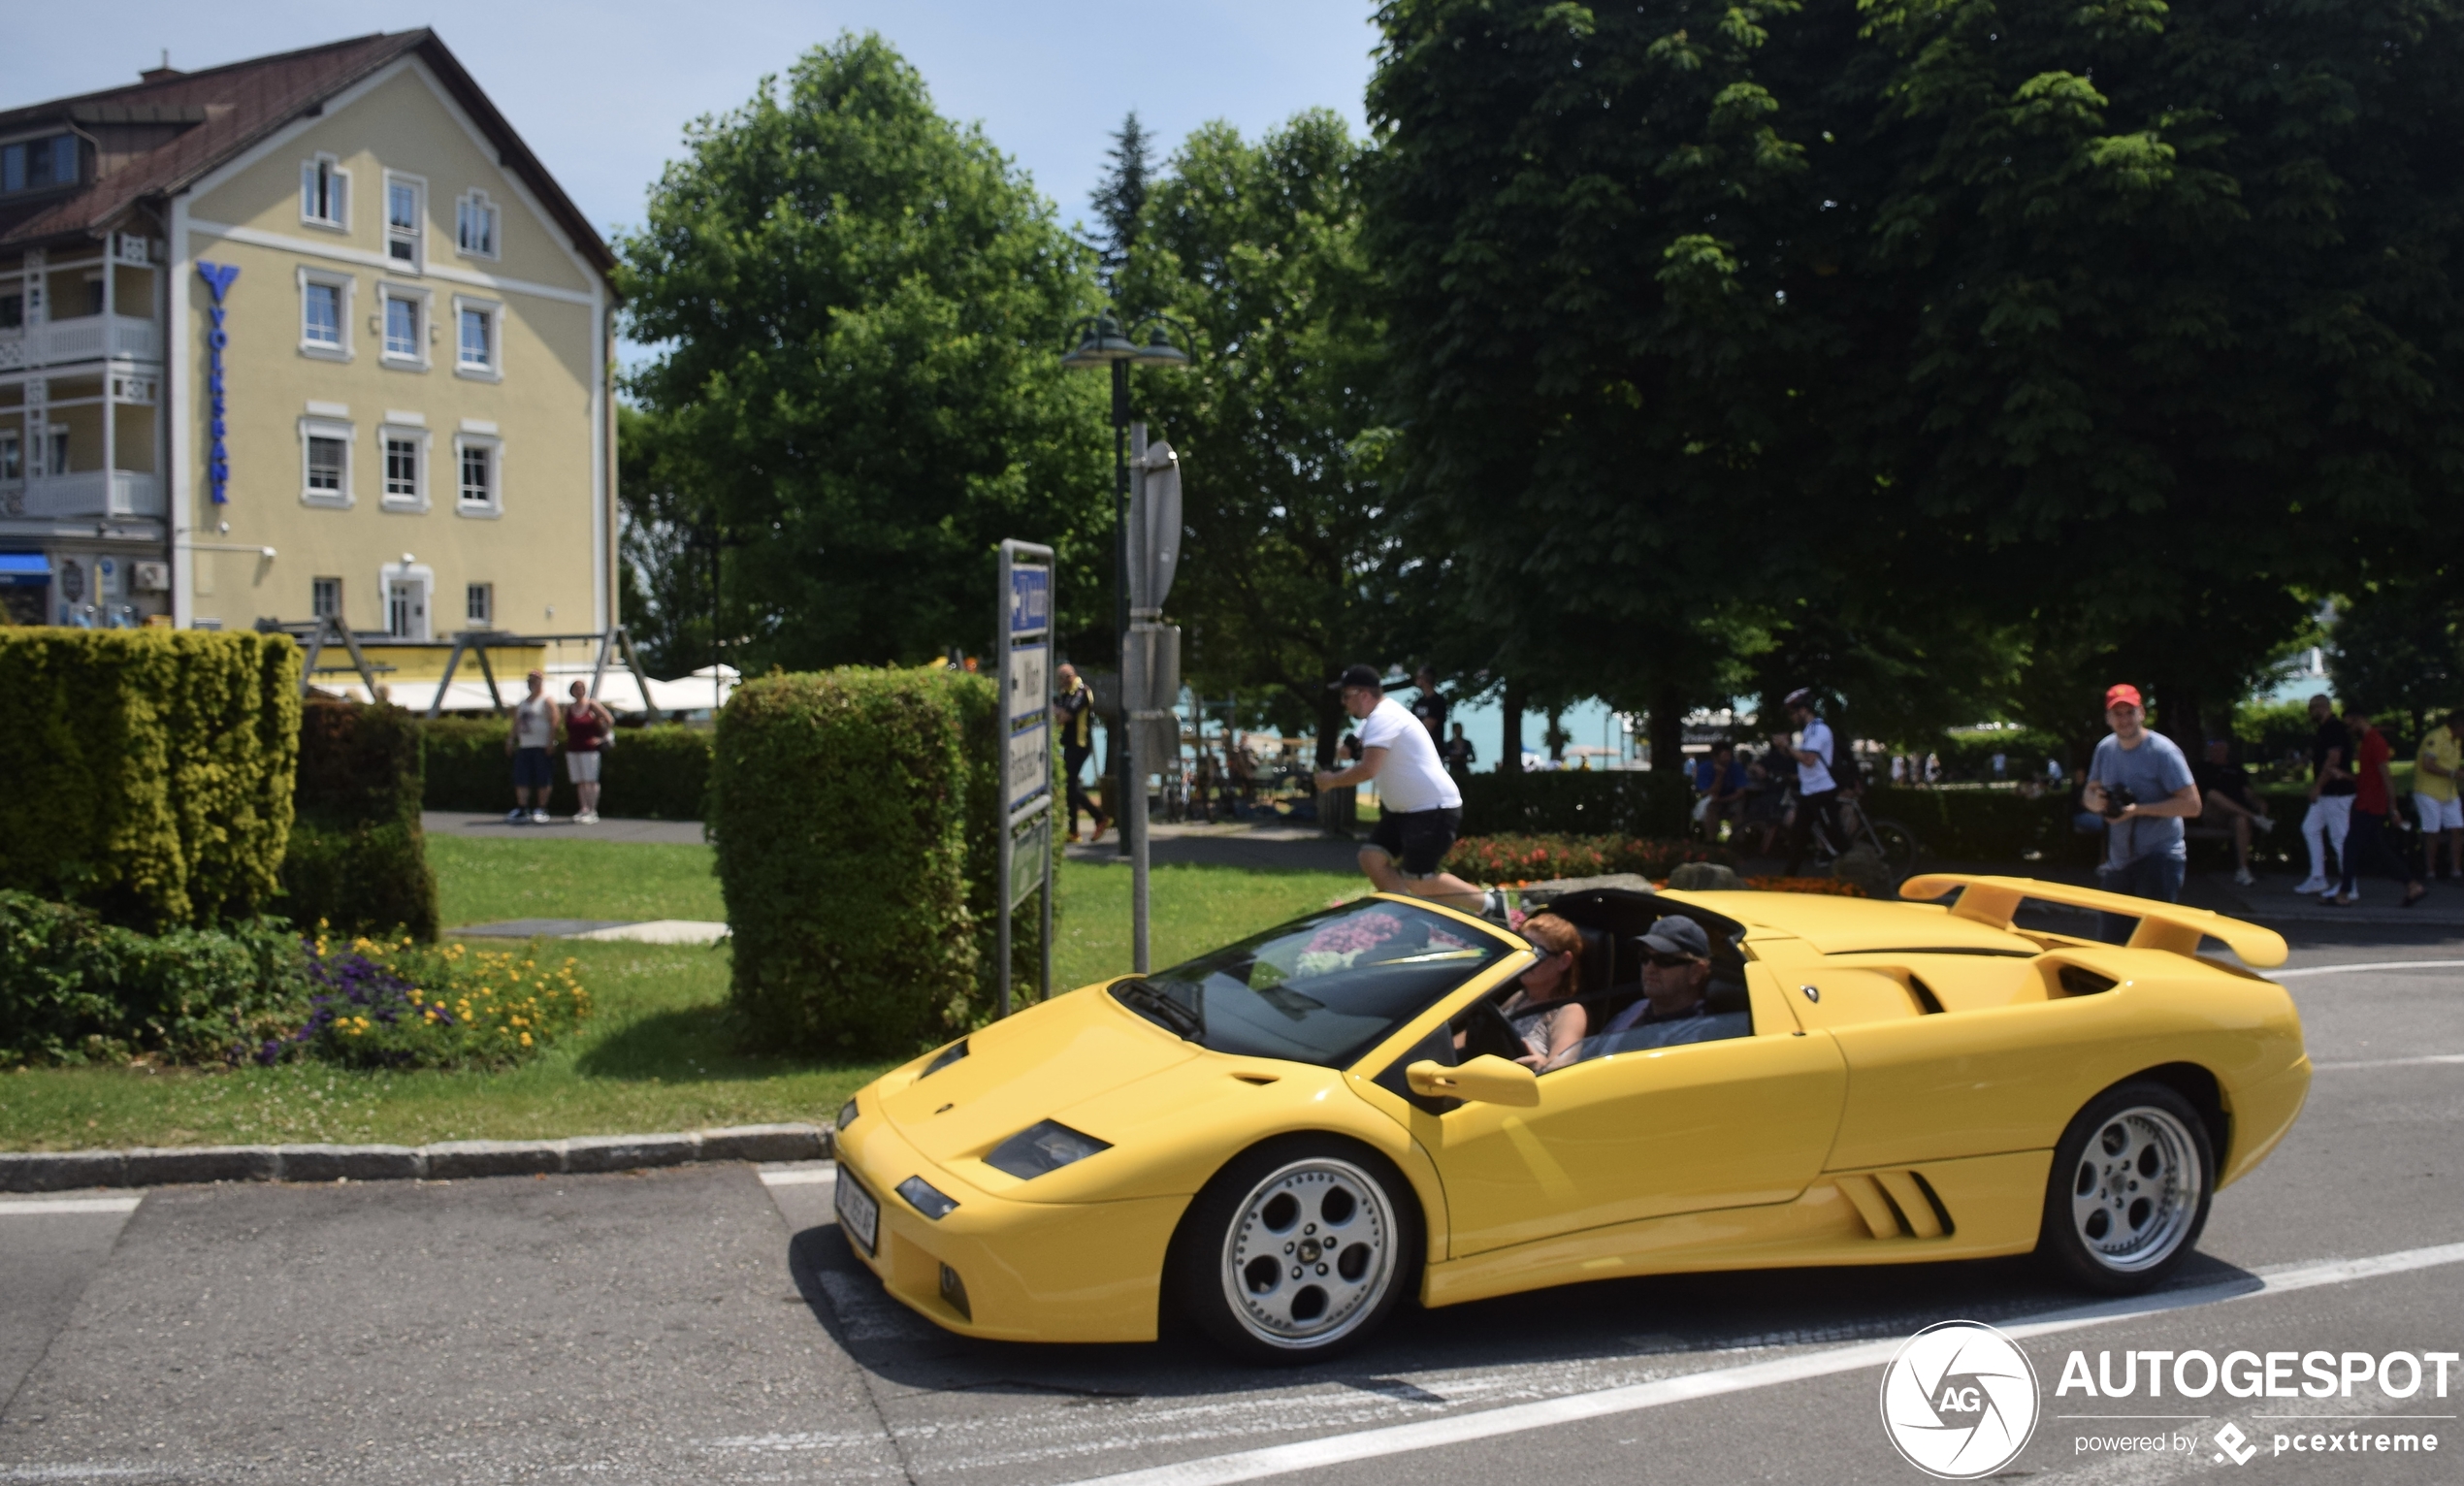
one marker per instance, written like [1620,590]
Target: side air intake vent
[2080,981]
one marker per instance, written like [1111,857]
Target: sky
[603,91]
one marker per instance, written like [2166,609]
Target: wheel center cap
[1309,1251]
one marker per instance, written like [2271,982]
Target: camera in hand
[1349,747]
[2117,800]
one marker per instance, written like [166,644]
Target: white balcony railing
[88,338]
[94,493]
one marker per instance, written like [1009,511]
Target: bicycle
[1888,839]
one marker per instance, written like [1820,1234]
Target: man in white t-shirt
[1421,810]
[1817,792]
[532,734]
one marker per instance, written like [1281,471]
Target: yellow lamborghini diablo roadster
[1284,1138]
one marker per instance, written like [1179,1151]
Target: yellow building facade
[380,383]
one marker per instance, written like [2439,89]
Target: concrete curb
[61,1171]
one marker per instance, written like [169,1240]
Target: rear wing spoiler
[1994,900]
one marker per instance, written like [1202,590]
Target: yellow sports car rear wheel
[2129,1193]
[1297,1249]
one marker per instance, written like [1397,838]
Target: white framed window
[478,339]
[324,193]
[406,220]
[402,320]
[479,604]
[325,462]
[325,597]
[477,222]
[325,314]
[480,473]
[401,449]
[12,457]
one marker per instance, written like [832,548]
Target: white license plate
[859,1216]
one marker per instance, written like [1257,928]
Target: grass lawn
[658,1054]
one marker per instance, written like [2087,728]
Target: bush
[150,772]
[1513,859]
[1991,825]
[1613,802]
[394,1004]
[657,774]
[840,803]
[357,859]
[75,989]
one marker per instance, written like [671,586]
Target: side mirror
[1487,1078]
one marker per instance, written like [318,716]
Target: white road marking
[799,1175]
[2392,1062]
[2381,964]
[36,1206]
[1396,1439]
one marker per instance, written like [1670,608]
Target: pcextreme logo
[1960,1400]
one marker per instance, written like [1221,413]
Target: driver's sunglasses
[1673,961]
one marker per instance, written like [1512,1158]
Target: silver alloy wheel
[1310,1255]
[2137,1189]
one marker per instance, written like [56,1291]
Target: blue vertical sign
[217,277]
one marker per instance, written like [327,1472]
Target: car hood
[1029,1067]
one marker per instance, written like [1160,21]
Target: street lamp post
[1102,342]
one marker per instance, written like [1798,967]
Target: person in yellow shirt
[2434,796]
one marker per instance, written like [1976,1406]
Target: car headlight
[944,1059]
[926,1198]
[847,1114]
[1042,1148]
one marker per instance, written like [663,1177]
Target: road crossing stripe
[2381,964]
[802,1176]
[42,1206]
[1486,1424]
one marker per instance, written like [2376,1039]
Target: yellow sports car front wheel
[1298,1248]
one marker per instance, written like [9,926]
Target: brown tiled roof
[161,136]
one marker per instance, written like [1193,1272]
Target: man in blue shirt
[2141,785]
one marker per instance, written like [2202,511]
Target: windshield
[1321,989]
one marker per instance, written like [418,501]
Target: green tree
[1289,570]
[857,307]
[665,546]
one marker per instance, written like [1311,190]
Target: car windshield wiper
[1183,1022]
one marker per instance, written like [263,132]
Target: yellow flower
[526,1039]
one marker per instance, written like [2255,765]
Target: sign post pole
[1151,654]
[1022,622]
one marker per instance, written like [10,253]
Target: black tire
[1898,843]
[1273,1203]
[2127,1196]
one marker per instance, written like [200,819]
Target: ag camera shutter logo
[1959,1400]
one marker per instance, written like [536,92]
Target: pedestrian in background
[589,728]
[1428,707]
[1460,754]
[1074,715]
[2225,800]
[2367,848]
[2434,801]
[532,734]
[2331,791]
[1817,792]
[2141,785]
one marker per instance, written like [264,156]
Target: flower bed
[1827,886]
[1514,861]
[399,1004]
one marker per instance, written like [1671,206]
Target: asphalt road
[707,1324]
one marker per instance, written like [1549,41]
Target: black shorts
[1417,839]
[531,769]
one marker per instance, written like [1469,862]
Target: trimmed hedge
[855,814]
[1990,825]
[75,989]
[357,859]
[1577,803]
[150,771]
[657,773]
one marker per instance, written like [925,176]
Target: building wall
[545,548]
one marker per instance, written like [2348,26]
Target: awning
[30,568]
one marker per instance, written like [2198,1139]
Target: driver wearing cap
[1422,810]
[1674,974]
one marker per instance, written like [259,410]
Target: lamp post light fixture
[1104,342]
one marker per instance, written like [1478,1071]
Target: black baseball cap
[1675,935]
[1358,675]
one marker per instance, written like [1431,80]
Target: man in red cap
[2140,783]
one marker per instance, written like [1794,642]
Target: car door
[1682,1129]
